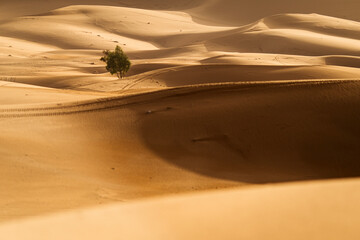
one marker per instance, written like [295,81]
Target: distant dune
[216,11]
[238,119]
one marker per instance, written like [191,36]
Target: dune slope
[177,140]
[221,94]
[241,214]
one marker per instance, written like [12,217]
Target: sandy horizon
[237,120]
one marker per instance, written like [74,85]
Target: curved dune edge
[64,52]
[176,140]
[325,209]
[99,102]
[232,11]
[221,94]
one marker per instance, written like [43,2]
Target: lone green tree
[116,62]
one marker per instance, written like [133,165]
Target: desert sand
[237,120]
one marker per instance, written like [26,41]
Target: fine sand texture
[237,120]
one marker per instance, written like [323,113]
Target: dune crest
[221,94]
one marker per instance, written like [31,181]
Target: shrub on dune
[116,62]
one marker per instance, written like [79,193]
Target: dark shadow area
[259,134]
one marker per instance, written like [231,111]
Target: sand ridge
[221,94]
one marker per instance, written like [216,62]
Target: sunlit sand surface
[236,121]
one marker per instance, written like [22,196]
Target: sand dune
[234,12]
[221,94]
[74,63]
[241,212]
[154,143]
[19,94]
[214,11]
[219,73]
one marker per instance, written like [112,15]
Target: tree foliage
[116,62]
